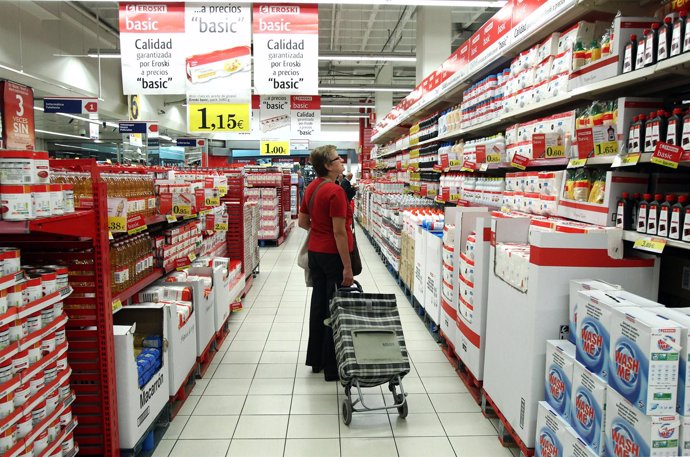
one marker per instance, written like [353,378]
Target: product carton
[560,358]
[643,359]
[578,448]
[588,407]
[593,323]
[433,279]
[137,407]
[684,443]
[576,299]
[419,286]
[680,317]
[632,433]
[552,433]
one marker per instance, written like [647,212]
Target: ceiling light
[364,89]
[165,137]
[349,106]
[61,134]
[346,116]
[76,147]
[104,53]
[370,57]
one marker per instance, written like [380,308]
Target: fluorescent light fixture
[383,57]
[364,89]
[349,106]
[104,53]
[76,147]
[165,137]
[346,116]
[62,134]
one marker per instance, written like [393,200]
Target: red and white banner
[17,116]
[286,49]
[305,116]
[152,48]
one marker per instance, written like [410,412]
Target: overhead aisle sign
[275,117]
[286,49]
[72,105]
[152,48]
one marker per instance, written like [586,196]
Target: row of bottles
[81,184]
[666,216]
[661,41]
[133,187]
[659,126]
[131,259]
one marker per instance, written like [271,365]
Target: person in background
[300,185]
[329,219]
[346,184]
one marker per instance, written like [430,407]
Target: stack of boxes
[269,211]
[620,388]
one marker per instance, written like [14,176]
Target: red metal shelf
[80,223]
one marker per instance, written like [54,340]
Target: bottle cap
[661,113]
[625,195]
[658,197]
[642,117]
[636,196]
[668,20]
[682,199]
[636,118]
[646,32]
[633,37]
[656,26]
[647,197]
[670,198]
[677,111]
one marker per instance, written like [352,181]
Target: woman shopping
[326,214]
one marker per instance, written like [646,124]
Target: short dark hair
[320,157]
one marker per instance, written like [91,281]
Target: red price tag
[398,165]
[467,165]
[538,145]
[481,153]
[585,143]
[423,191]
[445,194]
[520,162]
[667,155]
[444,161]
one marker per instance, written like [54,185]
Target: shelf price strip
[650,244]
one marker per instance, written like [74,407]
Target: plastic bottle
[678,33]
[579,56]
[674,128]
[633,132]
[653,214]
[630,54]
[685,135]
[639,56]
[664,39]
[624,213]
[651,39]
[642,208]
[595,51]
[686,34]
[665,215]
[635,203]
[685,232]
[677,218]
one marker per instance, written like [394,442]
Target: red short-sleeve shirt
[330,201]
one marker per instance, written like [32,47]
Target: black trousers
[327,275]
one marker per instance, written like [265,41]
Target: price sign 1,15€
[204,118]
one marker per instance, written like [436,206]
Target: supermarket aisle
[259,400]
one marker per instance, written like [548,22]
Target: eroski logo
[664,345]
[585,410]
[556,384]
[547,444]
[627,366]
[592,341]
[624,442]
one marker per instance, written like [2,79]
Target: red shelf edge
[129,292]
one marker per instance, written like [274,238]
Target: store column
[433,39]
[384,100]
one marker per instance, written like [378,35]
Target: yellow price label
[439,200]
[182,210]
[627,160]
[192,257]
[454,197]
[141,228]
[431,192]
[664,162]
[455,163]
[188,216]
[171,218]
[576,163]
[222,190]
[117,224]
[274,148]
[220,227]
[555,151]
[518,166]
[117,304]
[650,244]
[493,158]
[414,154]
[606,148]
[225,117]
[212,201]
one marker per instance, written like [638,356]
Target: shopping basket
[369,347]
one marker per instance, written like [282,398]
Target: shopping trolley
[369,347]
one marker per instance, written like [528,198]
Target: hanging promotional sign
[305,116]
[152,47]
[275,116]
[286,49]
[73,105]
[218,60]
[17,116]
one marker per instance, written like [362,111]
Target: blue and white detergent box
[560,357]
[643,359]
[684,443]
[552,433]
[629,433]
[588,407]
[680,316]
[592,334]
[577,447]
[576,300]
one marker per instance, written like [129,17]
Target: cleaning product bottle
[639,53]
[641,134]
[595,51]
[633,131]
[674,129]
[624,213]
[630,54]
[653,214]
[651,38]
[665,215]
[685,232]
[642,208]
[649,133]
[661,122]
[678,33]
[685,135]
[579,56]
[664,39]
[686,33]
[677,218]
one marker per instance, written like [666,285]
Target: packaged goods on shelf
[684,435]
[131,259]
[450,120]
[643,359]
[512,264]
[629,430]
[593,336]
[552,432]
[578,301]
[558,382]
[588,407]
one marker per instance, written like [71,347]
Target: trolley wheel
[347,411]
[402,410]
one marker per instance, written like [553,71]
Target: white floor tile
[220,405]
[368,447]
[454,403]
[228,387]
[271,386]
[189,405]
[255,447]
[313,426]
[478,446]
[262,426]
[444,385]
[432,446]
[315,386]
[279,357]
[464,424]
[163,449]
[417,425]
[435,369]
[367,426]
[275,370]
[242,357]
[209,428]
[235,370]
[196,448]
[175,427]
[312,447]
[267,404]
[315,404]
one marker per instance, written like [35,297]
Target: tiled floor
[258,399]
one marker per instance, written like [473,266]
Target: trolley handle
[355,287]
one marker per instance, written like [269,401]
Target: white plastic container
[40,198]
[16,167]
[16,203]
[57,199]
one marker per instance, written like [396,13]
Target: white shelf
[631,235]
